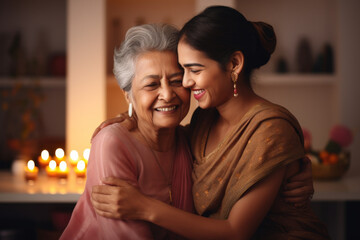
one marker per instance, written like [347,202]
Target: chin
[204,105]
[168,124]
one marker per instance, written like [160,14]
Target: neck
[161,140]
[231,112]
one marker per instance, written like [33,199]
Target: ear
[127,96]
[237,62]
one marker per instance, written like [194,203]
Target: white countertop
[14,189]
[344,189]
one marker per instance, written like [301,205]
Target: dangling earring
[234,79]
[130,111]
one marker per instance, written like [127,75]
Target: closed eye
[194,70]
[176,83]
[151,86]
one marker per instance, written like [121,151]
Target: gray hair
[138,40]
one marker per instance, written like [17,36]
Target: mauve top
[116,153]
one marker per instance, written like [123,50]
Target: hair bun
[266,35]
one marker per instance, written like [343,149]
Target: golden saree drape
[267,137]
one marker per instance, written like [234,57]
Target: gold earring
[234,79]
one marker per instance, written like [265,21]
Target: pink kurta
[116,153]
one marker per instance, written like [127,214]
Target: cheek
[143,104]
[184,95]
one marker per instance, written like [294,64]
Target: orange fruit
[333,158]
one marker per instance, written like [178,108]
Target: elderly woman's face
[158,95]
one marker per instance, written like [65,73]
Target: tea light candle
[51,169]
[31,171]
[86,155]
[59,154]
[63,170]
[74,158]
[44,158]
[80,169]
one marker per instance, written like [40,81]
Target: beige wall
[85,100]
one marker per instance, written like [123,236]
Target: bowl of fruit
[332,162]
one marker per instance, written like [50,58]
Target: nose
[166,93]
[188,82]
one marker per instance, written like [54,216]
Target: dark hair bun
[267,43]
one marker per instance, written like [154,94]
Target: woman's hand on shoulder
[300,189]
[122,118]
[118,199]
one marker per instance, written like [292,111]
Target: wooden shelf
[48,82]
[294,79]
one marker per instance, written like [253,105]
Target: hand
[118,199]
[123,118]
[299,189]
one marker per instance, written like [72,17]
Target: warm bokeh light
[86,154]
[81,165]
[59,153]
[74,155]
[45,154]
[31,165]
[52,164]
[63,166]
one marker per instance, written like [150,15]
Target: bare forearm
[187,224]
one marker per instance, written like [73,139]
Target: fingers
[304,175]
[296,200]
[105,210]
[102,189]
[105,205]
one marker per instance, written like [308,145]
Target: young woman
[245,148]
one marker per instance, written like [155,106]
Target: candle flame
[62,166]
[31,165]
[45,154]
[74,155]
[86,154]
[59,153]
[81,165]
[52,164]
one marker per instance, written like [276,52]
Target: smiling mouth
[197,92]
[166,109]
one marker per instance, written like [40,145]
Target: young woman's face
[210,84]
[158,96]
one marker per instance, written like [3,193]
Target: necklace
[168,179]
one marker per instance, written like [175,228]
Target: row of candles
[58,166]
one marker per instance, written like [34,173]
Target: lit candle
[31,171]
[44,158]
[51,169]
[86,155]
[63,170]
[59,154]
[74,158]
[80,169]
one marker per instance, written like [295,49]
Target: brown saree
[266,138]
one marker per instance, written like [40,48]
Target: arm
[111,156]
[244,218]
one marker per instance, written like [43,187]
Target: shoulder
[113,134]
[275,118]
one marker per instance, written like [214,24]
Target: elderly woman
[147,70]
